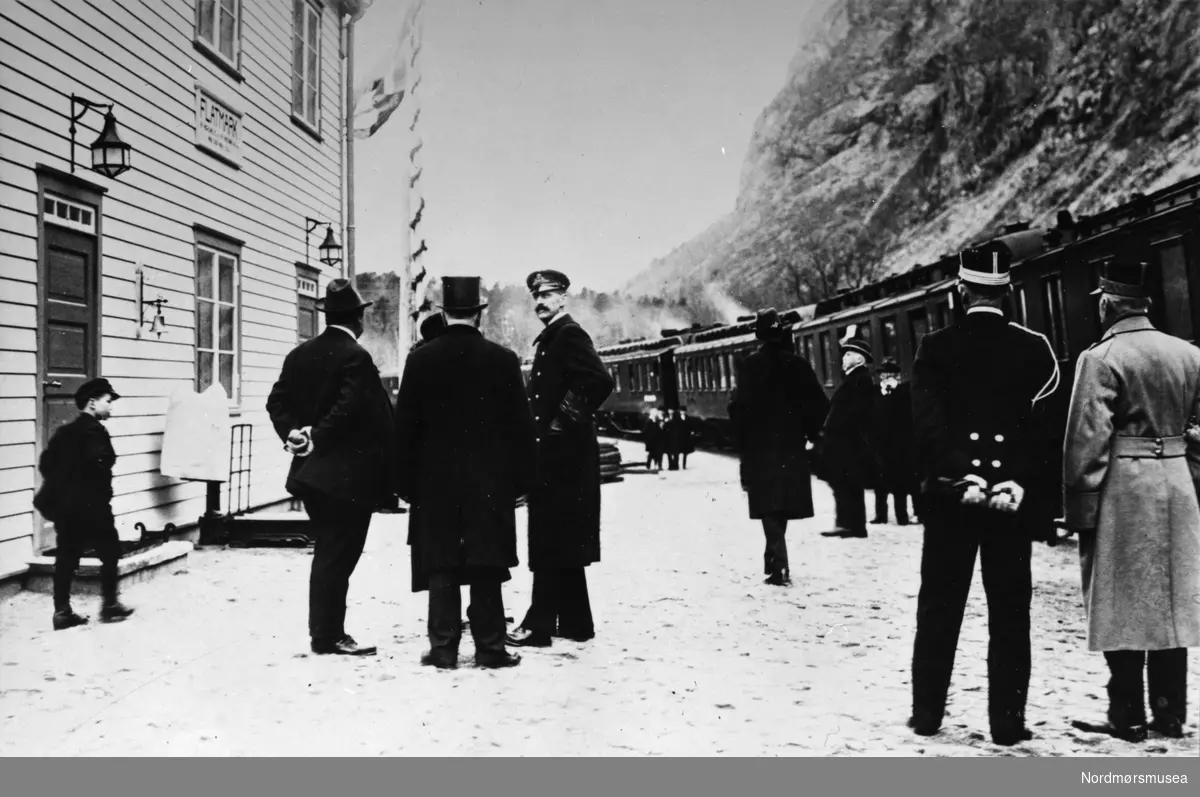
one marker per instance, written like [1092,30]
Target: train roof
[716,343]
[638,346]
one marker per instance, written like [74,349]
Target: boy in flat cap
[333,414]
[567,384]
[1130,481]
[979,393]
[77,466]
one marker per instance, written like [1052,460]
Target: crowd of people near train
[969,439]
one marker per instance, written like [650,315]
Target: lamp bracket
[75,117]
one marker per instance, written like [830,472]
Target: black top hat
[94,388]
[547,280]
[341,297]
[767,325]
[986,265]
[432,326]
[462,294]
[1125,274]
[853,341]
[889,366]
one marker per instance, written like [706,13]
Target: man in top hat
[777,407]
[333,414]
[567,384]
[847,460]
[465,454]
[1130,481]
[76,496]
[979,394]
[892,440]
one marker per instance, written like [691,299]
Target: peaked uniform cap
[547,280]
[1125,274]
[986,265]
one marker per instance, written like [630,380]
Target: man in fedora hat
[333,414]
[567,384]
[76,496]
[979,397]
[777,408]
[847,461]
[465,454]
[1130,481]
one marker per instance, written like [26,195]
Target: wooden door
[70,327]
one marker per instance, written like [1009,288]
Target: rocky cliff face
[909,128]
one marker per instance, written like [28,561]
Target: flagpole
[350,102]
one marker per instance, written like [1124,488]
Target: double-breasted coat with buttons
[567,384]
[1130,482]
[465,454]
[979,395]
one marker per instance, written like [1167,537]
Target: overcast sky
[590,137]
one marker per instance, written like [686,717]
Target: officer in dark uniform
[76,496]
[567,384]
[979,390]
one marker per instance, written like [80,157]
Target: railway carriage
[644,377]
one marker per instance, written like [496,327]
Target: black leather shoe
[778,580]
[1167,726]
[68,619]
[523,638]
[496,661]
[346,646]
[114,612]
[881,521]
[443,661]
[1007,737]
[576,637]
[845,533]
[1128,733]
[923,724]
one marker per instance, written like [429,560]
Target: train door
[1174,307]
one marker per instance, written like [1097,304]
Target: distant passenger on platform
[777,408]
[76,496]
[334,416]
[980,390]
[894,445]
[1131,472]
[673,439]
[567,385]
[431,327]
[687,438]
[848,462]
[652,435]
[465,454]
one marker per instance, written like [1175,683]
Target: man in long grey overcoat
[1130,480]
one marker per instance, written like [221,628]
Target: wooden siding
[139,54]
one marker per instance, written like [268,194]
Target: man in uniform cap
[333,414]
[76,496]
[1130,481]
[777,408]
[567,384]
[846,459]
[979,389]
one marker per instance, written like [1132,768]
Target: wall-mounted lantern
[330,249]
[158,324]
[110,155]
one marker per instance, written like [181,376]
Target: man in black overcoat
[567,384]
[687,438]
[465,454]
[76,496]
[847,461]
[777,408]
[332,412]
[979,393]
[673,439]
[894,445]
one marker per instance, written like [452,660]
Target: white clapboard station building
[196,266]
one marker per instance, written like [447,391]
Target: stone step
[139,567]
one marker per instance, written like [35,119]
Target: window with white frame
[218,315]
[307,279]
[306,63]
[219,29]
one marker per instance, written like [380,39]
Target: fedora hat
[341,297]
[854,341]
[462,294]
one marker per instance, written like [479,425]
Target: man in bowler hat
[777,408]
[979,395]
[465,454]
[76,496]
[1130,479]
[567,384]
[333,414]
